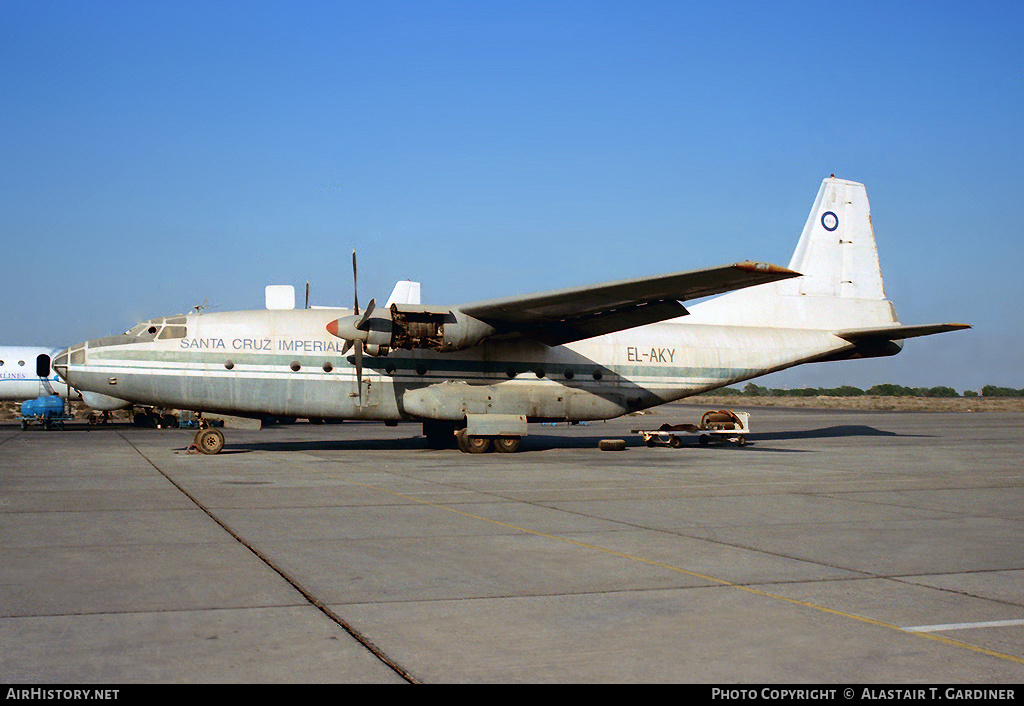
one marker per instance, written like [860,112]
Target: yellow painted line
[677,569]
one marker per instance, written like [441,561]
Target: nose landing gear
[208,441]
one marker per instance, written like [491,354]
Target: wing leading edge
[566,315]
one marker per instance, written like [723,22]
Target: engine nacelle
[414,326]
[378,333]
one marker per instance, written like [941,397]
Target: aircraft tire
[472,444]
[478,444]
[209,441]
[507,444]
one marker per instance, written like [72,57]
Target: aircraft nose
[60,362]
[64,362]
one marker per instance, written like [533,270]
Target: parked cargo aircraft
[26,372]
[481,371]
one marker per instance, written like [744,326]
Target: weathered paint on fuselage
[284,362]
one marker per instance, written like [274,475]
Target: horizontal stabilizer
[898,333]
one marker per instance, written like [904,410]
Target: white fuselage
[286,363]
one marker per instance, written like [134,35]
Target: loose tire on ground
[612,444]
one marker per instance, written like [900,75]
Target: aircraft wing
[572,314]
[897,332]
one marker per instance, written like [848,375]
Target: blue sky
[155,156]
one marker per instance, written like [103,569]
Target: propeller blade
[355,284]
[366,315]
[359,370]
[358,342]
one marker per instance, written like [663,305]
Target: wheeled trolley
[48,411]
[46,421]
[721,424]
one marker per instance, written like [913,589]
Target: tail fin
[841,286]
[837,254]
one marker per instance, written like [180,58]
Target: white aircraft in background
[26,372]
[482,371]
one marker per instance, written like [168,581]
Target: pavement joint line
[722,582]
[312,599]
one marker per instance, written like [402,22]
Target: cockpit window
[137,330]
[168,327]
[174,327]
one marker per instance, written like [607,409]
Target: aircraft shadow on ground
[540,442]
[548,442]
[833,432]
[398,444]
[415,443]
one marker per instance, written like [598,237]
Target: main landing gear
[441,434]
[482,444]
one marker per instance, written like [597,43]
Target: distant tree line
[884,390]
[993,391]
